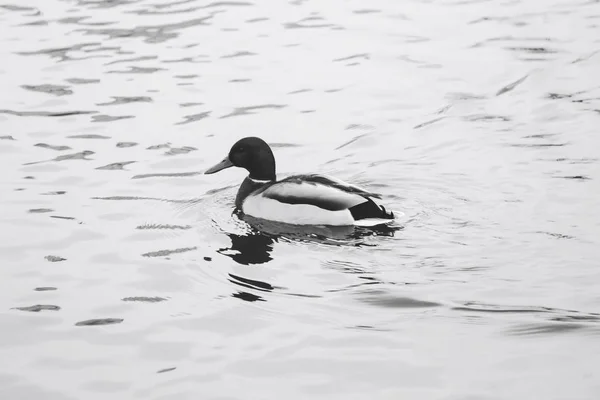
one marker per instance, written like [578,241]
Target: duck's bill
[226,163]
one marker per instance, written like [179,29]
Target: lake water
[126,276]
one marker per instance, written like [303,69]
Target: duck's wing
[333,182]
[316,190]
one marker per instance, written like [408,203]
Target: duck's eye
[241,149]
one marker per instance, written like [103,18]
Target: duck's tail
[370,209]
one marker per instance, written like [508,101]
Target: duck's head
[251,153]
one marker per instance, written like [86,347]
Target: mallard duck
[300,199]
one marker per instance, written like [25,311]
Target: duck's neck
[248,186]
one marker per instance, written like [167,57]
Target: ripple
[188,119]
[45,289]
[126,100]
[54,258]
[144,299]
[249,110]
[45,113]
[56,90]
[166,253]
[51,147]
[110,118]
[38,308]
[99,321]
[116,166]
[89,136]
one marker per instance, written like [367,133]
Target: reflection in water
[256,246]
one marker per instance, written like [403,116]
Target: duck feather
[316,190]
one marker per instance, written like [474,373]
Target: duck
[310,199]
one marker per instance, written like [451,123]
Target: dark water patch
[188,119]
[75,156]
[366,11]
[54,258]
[151,34]
[249,110]
[228,4]
[190,104]
[138,70]
[7,137]
[163,226]
[89,136]
[12,7]
[99,321]
[60,53]
[165,253]
[55,193]
[493,308]
[254,20]
[300,91]
[144,299]
[162,371]
[82,81]
[44,289]
[134,59]
[167,175]
[384,299]
[35,23]
[29,177]
[45,113]
[364,56]
[242,53]
[251,283]
[40,210]
[306,24]
[123,145]
[159,146]
[427,123]
[191,60]
[116,166]
[541,145]
[574,177]
[284,145]
[245,296]
[240,80]
[56,90]
[51,147]
[511,86]
[207,258]
[334,90]
[487,117]
[546,328]
[126,100]
[62,217]
[173,151]
[128,198]
[38,308]
[349,142]
[110,118]
[533,50]
[190,76]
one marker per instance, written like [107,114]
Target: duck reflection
[255,246]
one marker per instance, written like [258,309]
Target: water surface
[125,274]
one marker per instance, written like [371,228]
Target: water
[124,273]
